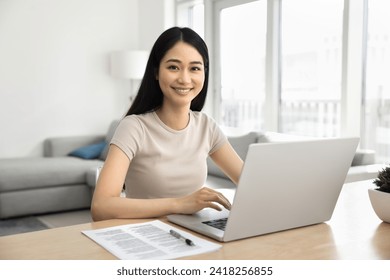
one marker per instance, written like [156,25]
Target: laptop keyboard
[219,223]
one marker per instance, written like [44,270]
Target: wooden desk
[354,232]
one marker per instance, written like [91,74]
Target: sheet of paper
[150,240]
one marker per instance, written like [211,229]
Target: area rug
[20,225]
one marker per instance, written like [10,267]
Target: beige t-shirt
[166,162]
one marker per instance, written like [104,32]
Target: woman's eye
[173,67]
[196,68]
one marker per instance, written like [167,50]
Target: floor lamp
[129,65]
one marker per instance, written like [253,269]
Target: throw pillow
[89,152]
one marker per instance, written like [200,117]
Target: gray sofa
[58,182]
[363,165]
[53,183]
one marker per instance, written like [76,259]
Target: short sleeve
[218,138]
[128,136]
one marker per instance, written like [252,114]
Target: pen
[179,236]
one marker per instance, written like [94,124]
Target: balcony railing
[316,118]
[309,117]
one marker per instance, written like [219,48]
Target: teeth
[182,90]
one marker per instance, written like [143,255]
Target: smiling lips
[182,90]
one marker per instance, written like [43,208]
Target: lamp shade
[128,64]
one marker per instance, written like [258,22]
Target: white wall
[54,74]
[155,16]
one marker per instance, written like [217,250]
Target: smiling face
[181,75]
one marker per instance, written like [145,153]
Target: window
[311,67]
[242,58]
[316,68]
[190,13]
[376,119]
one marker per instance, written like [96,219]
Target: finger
[225,202]
[209,204]
[218,197]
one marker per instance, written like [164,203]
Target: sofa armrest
[277,137]
[62,146]
[363,157]
[240,144]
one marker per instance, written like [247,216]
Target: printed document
[150,240]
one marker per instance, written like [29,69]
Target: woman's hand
[203,198]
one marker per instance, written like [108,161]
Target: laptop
[282,186]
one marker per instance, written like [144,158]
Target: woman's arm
[228,161]
[107,203]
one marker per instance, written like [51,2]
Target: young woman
[160,147]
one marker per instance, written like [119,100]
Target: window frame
[353,61]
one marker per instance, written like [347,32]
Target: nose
[184,77]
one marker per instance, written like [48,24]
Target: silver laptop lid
[288,185]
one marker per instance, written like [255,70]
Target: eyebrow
[178,61]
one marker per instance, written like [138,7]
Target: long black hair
[150,96]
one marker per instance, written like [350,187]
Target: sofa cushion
[240,144]
[109,135]
[31,173]
[90,151]
[62,146]
[44,200]
[276,137]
